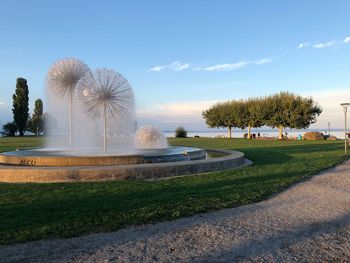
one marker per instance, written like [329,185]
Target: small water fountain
[150,137]
[95,99]
[62,78]
[105,93]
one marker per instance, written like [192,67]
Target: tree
[10,128]
[289,110]
[180,132]
[39,108]
[20,105]
[220,115]
[36,122]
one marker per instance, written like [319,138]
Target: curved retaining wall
[21,174]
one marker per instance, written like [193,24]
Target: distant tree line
[281,110]
[22,121]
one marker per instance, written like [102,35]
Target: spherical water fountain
[105,93]
[150,137]
[105,99]
[62,78]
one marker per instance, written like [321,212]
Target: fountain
[63,77]
[105,92]
[150,137]
[84,152]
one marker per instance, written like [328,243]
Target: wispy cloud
[157,68]
[325,44]
[175,66]
[224,67]
[179,66]
[336,43]
[2,103]
[304,45]
[262,61]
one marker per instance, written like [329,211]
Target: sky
[182,56]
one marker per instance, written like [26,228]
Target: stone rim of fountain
[37,174]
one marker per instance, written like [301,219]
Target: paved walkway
[310,222]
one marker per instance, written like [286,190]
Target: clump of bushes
[312,136]
[180,132]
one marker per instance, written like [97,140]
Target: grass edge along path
[37,211]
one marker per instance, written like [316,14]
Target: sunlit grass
[36,211]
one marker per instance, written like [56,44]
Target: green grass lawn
[36,211]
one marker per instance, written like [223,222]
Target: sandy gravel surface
[309,222]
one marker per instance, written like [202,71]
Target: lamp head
[345,106]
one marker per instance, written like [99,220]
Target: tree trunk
[249,132]
[21,133]
[229,132]
[280,135]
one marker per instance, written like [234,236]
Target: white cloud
[325,44]
[234,66]
[179,66]
[225,67]
[263,61]
[328,44]
[174,66]
[304,45]
[157,68]
[2,103]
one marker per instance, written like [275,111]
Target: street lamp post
[345,108]
[329,129]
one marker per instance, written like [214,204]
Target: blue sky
[182,56]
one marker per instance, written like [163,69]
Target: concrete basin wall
[38,174]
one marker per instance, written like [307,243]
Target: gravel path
[309,222]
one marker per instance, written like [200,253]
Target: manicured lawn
[13,143]
[36,211]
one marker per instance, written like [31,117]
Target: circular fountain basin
[44,157]
[42,166]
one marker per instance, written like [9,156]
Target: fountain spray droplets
[150,137]
[105,93]
[62,78]
[64,74]
[102,89]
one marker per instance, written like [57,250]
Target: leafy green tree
[212,116]
[38,107]
[287,110]
[36,122]
[20,105]
[221,115]
[10,128]
[279,110]
[180,132]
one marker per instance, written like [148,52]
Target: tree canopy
[21,105]
[281,110]
[36,122]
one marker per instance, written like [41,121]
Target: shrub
[180,132]
[10,128]
[312,136]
